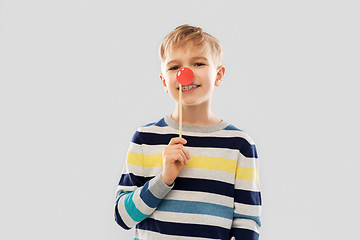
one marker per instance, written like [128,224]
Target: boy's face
[206,74]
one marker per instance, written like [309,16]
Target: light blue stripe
[148,125]
[130,207]
[161,123]
[232,127]
[255,218]
[196,208]
[120,194]
[147,196]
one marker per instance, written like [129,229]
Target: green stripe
[254,218]
[130,207]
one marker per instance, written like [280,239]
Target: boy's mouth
[189,87]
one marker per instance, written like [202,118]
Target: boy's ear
[163,82]
[219,76]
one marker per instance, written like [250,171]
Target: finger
[176,155]
[184,158]
[186,152]
[183,149]
[177,140]
[172,149]
[179,155]
[177,158]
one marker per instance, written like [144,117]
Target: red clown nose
[185,76]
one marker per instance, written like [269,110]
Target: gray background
[79,77]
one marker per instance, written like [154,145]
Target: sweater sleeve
[247,203]
[137,196]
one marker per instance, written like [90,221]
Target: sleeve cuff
[158,188]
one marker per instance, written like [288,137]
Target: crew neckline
[193,128]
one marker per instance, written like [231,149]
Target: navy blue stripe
[119,220]
[188,184]
[200,185]
[184,229]
[204,185]
[249,150]
[148,197]
[241,233]
[136,138]
[238,143]
[247,197]
[132,180]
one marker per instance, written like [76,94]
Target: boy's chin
[191,102]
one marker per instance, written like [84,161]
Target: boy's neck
[196,115]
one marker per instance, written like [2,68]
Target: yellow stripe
[135,159]
[214,163]
[249,174]
[140,160]
[155,160]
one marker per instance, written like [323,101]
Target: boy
[204,185]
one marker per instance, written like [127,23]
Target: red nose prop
[185,76]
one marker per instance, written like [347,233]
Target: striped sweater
[216,195]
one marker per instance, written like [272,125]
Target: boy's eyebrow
[200,58]
[171,62]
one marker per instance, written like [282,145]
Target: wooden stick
[180,109]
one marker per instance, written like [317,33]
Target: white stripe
[152,171]
[153,149]
[232,154]
[247,185]
[191,218]
[208,174]
[248,162]
[141,205]
[200,197]
[222,133]
[141,171]
[124,215]
[125,189]
[246,209]
[135,148]
[144,235]
[246,224]
[136,170]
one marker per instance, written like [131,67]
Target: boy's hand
[175,156]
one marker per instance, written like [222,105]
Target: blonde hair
[187,34]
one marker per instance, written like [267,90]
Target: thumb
[177,140]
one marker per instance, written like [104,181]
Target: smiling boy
[207,189]
[208,74]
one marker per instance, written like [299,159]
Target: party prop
[185,77]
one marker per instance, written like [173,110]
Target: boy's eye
[174,68]
[199,64]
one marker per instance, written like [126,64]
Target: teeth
[185,88]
